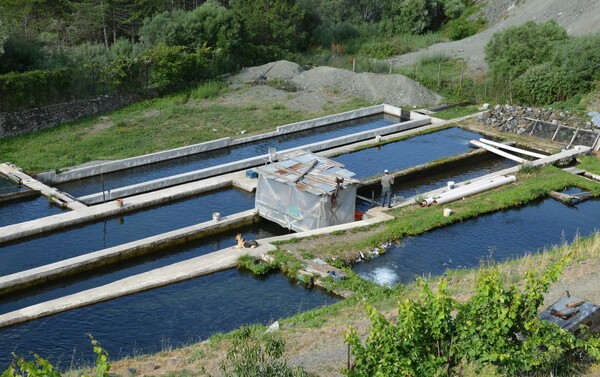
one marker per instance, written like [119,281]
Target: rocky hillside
[578,17]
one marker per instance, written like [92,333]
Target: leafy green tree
[21,54]
[411,16]
[512,51]
[436,335]
[579,60]
[3,36]
[176,66]
[270,28]
[544,84]
[454,8]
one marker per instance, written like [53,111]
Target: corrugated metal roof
[307,172]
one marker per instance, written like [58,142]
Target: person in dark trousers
[386,188]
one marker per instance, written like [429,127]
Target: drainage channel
[500,236]
[128,177]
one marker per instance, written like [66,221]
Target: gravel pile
[397,90]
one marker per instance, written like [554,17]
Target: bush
[255,353]
[511,52]
[542,85]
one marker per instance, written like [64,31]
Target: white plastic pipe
[453,195]
[512,149]
[498,151]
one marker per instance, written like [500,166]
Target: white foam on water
[382,276]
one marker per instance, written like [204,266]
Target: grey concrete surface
[51,193]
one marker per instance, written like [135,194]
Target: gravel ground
[578,17]
[397,90]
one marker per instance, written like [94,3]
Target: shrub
[542,85]
[512,51]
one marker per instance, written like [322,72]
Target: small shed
[302,191]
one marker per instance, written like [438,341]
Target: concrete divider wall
[52,177]
[244,164]
[89,214]
[111,166]
[68,267]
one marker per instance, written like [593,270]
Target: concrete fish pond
[162,318]
[157,299]
[115,231]
[255,148]
[499,236]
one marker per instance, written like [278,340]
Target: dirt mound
[578,17]
[394,89]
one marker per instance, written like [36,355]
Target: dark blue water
[151,321]
[35,208]
[8,187]
[408,153]
[147,262]
[414,187]
[502,235]
[213,158]
[115,231]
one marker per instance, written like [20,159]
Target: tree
[411,16]
[3,36]
[269,27]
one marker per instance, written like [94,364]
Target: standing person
[386,188]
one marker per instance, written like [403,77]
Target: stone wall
[560,126]
[30,120]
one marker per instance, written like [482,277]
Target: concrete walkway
[85,214]
[51,193]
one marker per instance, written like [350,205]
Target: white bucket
[450,185]
[216,216]
[447,212]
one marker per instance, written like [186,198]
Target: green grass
[150,126]
[589,163]
[456,112]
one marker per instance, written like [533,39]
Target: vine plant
[498,327]
[43,368]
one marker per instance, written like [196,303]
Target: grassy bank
[150,126]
